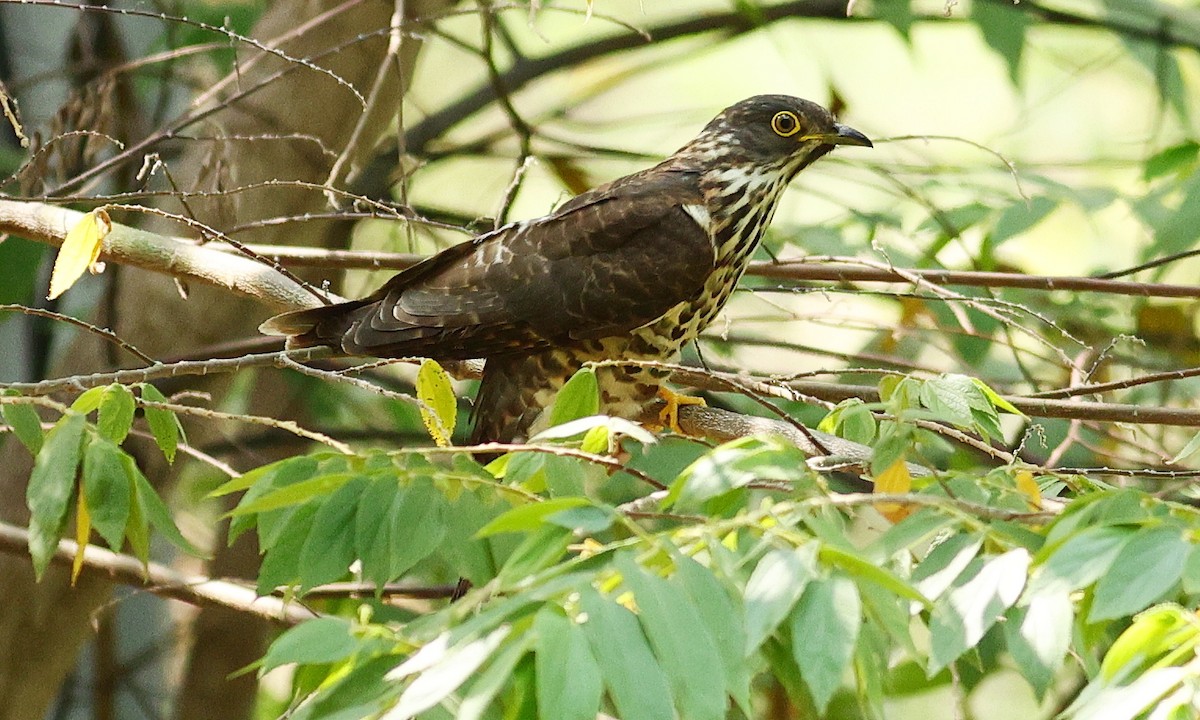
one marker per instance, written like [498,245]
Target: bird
[633,269]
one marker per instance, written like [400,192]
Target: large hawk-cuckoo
[633,269]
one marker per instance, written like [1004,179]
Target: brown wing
[605,263]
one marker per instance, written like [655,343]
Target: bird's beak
[846,135]
[841,135]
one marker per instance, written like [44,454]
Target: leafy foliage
[82,464]
[580,606]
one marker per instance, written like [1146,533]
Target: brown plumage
[633,269]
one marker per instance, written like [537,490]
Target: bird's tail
[314,327]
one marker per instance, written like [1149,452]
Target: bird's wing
[605,263]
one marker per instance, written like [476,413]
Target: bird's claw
[669,415]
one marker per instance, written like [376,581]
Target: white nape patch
[699,213]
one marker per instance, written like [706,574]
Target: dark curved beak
[846,135]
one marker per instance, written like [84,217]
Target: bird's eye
[785,124]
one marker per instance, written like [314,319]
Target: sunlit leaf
[116,413]
[1038,634]
[453,668]
[83,530]
[439,406]
[79,251]
[895,480]
[958,622]
[1161,630]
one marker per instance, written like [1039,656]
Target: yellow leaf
[1027,485]
[892,481]
[83,530]
[439,407]
[79,251]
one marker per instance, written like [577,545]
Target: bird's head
[772,132]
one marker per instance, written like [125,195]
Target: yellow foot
[669,415]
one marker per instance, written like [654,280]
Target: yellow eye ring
[785,124]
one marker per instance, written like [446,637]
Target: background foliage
[1020,541]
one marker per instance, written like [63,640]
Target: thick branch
[177,257]
[163,581]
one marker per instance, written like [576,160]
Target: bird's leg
[669,415]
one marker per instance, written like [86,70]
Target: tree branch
[173,256]
[163,581]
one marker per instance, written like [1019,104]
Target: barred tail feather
[313,327]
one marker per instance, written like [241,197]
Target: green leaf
[439,406]
[116,413]
[1179,158]
[635,681]
[852,419]
[724,620]
[373,527]
[329,548]
[825,625]
[961,619]
[295,493]
[586,519]
[23,419]
[995,399]
[591,427]
[1147,567]
[578,398]
[88,400]
[418,517]
[156,512]
[1191,572]
[1079,560]
[682,642]
[857,566]
[568,677]
[1038,634]
[773,588]
[944,563]
[281,558]
[732,465]
[1188,450]
[1161,630]
[530,516]
[1003,28]
[540,549]
[1021,216]
[323,640]
[137,530]
[947,398]
[163,423]
[52,486]
[19,259]
[106,489]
